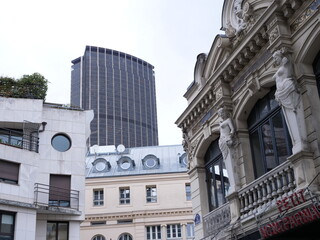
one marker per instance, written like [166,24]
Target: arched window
[125,236]
[98,237]
[216,176]
[269,137]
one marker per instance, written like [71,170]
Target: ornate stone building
[251,128]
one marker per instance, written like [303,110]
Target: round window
[185,160]
[61,142]
[100,166]
[151,162]
[125,165]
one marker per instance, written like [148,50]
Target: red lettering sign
[300,217]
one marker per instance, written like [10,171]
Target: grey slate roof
[170,159]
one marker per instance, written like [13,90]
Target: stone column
[234,202]
[164,232]
[183,231]
[304,170]
[199,197]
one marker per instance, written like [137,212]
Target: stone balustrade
[261,192]
[216,220]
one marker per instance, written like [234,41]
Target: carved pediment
[239,16]
[219,51]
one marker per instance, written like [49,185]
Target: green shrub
[33,86]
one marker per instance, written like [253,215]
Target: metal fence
[19,139]
[46,195]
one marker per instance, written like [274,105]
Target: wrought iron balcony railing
[50,196]
[19,139]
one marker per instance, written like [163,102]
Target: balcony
[256,197]
[18,139]
[53,199]
[216,220]
[259,194]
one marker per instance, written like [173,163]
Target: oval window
[61,142]
[100,166]
[125,165]
[151,162]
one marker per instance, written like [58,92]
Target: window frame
[125,236]
[60,196]
[149,192]
[190,229]
[98,237]
[257,119]
[126,196]
[174,229]
[188,191]
[213,157]
[153,232]
[9,176]
[100,197]
[12,230]
[57,228]
[59,138]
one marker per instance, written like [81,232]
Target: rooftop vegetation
[32,86]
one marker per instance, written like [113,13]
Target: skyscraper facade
[120,88]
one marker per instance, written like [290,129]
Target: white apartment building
[137,193]
[42,166]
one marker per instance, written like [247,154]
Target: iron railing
[19,139]
[50,196]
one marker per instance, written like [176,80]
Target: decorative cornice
[134,215]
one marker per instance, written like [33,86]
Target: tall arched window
[98,237]
[269,137]
[125,236]
[216,176]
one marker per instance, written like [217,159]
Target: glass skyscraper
[120,88]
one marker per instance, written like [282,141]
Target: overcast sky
[45,36]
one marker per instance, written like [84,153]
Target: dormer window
[183,160]
[101,165]
[150,162]
[125,164]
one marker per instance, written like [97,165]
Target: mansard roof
[133,160]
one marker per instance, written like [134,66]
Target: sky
[45,36]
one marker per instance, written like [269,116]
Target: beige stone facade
[269,47]
[137,193]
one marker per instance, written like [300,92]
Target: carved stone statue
[227,143]
[289,98]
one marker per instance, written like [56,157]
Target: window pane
[268,146]
[63,231]
[6,223]
[256,149]
[280,136]
[225,179]
[220,195]
[190,230]
[188,192]
[51,231]
[212,189]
